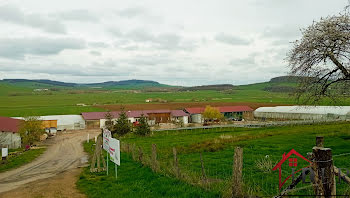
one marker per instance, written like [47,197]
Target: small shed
[179,116]
[9,136]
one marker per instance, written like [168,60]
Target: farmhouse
[229,112]
[98,119]
[304,112]
[62,122]
[9,136]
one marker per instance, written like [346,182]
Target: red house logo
[292,162]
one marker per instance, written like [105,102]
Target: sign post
[112,146]
[106,136]
[4,154]
[115,171]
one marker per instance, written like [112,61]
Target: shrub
[143,128]
[122,126]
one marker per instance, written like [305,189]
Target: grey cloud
[231,40]
[287,32]
[131,47]
[17,48]
[78,15]
[147,60]
[282,42]
[139,12]
[12,14]
[165,41]
[69,70]
[95,53]
[250,60]
[98,44]
[115,31]
[132,12]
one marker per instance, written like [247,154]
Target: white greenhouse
[304,112]
[63,122]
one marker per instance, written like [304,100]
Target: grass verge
[134,180]
[20,159]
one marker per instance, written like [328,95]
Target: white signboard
[106,136]
[112,146]
[114,150]
[4,152]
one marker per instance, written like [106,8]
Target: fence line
[211,176]
[256,125]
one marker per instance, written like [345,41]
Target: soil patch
[62,185]
[182,105]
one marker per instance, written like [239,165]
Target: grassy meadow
[263,148]
[21,100]
[134,180]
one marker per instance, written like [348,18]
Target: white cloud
[77,15]
[231,40]
[17,48]
[13,14]
[228,42]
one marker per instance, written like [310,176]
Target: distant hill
[124,84]
[219,87]
[47,82]
[286,79]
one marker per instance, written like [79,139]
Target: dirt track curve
[65,152]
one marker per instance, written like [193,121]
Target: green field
[23,101]
[134,180]
[217,147]
[20,100]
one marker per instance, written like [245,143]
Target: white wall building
[9,136]
[304,112]
[65,122]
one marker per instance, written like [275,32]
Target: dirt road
[65,152]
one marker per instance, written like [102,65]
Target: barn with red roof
[98,119]
[9,135]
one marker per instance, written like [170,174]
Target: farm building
[229,112]
[62,122]
[9,136]
[303,112]
[98,119]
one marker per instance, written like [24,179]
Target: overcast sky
[178,42]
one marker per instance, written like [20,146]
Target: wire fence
[202,169]
[256,125]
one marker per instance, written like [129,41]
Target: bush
[122,127]
[143,128]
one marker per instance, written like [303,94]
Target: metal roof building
[64,122]
[9,136]
[304,112]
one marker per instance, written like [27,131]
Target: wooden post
[154,158]
[133,152]
[176,163]
[204,176]
[140,155]
[97,157]
[237,173]
[127,148]
[323,168]
[319,141]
